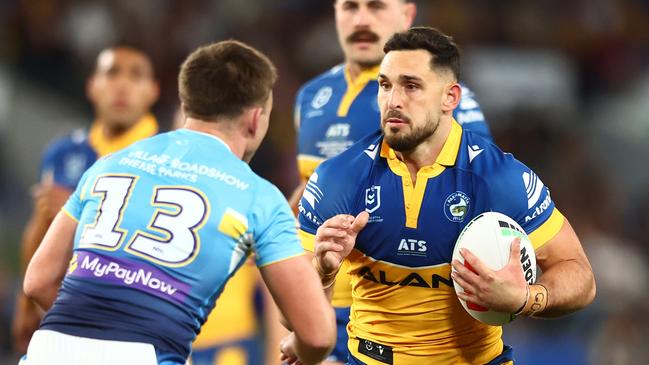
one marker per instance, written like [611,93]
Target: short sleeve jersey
[162,226]
[403,295]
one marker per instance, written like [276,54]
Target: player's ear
[90,88]
[410,12]
[254,115]
[154,93]
[451,97]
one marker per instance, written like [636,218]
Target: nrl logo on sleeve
[322,97]
[456,206]
[372,198]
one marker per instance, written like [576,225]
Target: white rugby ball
[489,236]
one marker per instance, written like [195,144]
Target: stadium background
[564,86]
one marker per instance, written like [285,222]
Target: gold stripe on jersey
[413,194]
[416,312]
[307,164]
[65,211]
[147,126]
[355,87]
[547,230]
[233,224]
[342,292]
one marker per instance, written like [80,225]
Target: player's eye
[384,85]
[376,5]
[349,5]
[412,87]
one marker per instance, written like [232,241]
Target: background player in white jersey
[122,89]
[386,207]
[156,230]
[338,108]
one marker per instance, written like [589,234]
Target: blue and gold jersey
[403,296]
[332,112]
[68,157]
[163,225]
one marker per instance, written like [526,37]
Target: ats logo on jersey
[372,198]
[456,206]
[412,247]
[322,97]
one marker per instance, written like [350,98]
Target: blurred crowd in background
[563,84]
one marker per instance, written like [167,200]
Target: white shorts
[55,348]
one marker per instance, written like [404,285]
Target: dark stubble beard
[408,142]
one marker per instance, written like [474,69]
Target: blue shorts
[506,357]
[244,352]
[339,353]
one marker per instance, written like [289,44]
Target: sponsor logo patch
[372,198]
[129,273]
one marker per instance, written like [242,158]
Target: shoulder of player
[77,139]
[494,171]
[336,73]
[483,158]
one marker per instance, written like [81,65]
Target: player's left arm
[48,265]
[567,274]
[567,283]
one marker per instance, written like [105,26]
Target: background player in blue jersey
[122,89]
[153,232]
[386,207]
[338,108]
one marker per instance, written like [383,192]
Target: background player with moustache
[338,107]
[405,309]
[122,89]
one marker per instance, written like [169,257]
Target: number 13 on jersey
[170,238]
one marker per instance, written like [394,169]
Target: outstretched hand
[336,238]
[504,290]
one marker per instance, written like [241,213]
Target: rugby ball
[489,236]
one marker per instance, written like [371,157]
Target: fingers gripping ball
[489,237]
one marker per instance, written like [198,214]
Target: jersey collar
[446,157]
[147,126]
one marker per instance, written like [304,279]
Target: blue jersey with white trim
[403,296]
[67,158]
[163,225]
[332,113]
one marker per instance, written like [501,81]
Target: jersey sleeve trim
[70,215]
[307,239]
[280,260]
[547,230]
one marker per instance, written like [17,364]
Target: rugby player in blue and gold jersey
[338,108]
[152,233]
[122,89]
[387,207]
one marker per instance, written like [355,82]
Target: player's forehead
[406,63]
[123,58]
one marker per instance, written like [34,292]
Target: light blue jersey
[162,226]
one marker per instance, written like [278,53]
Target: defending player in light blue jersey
[121,89]
[153,233]
[339,107]
[393,205]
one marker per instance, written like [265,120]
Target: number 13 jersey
[162,226]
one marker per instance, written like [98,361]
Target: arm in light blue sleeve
[273,227]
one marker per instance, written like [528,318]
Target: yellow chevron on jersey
[400,266]
[354,87]
[147,126]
